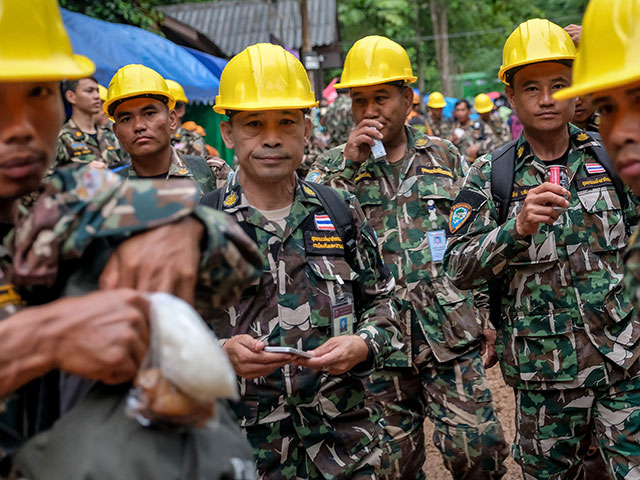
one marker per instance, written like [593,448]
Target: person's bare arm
[101,336]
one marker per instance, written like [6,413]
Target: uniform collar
[177,167]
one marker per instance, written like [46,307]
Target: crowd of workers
[352,304]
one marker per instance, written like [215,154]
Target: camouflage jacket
[305,276]
[188,142]
[84,207]
[410,220]
[500,129]
[560,328]
[440,128]
[75,146]
[338,120]
[475,133]
[179,169]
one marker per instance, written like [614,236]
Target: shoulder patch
[421,142]
[593,182]
[231,200]
[183,171]
[464,208]
[9,296]
[520,151]
[437,171]
[460,213]
[78,133]
[313,176]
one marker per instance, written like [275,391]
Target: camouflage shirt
[564,324]
[338,120]
[305,276]
[410,218]
[80,207]
[500,128]
[75,146]
[188,142]
[440,128]
[206,181]
[475,133]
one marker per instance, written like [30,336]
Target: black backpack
[502,177]
[332,202]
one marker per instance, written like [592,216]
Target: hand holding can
[557,174]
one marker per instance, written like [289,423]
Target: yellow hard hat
[608,53]
[483,103]
[103,92]
[436,100]
[536,40]
[34,44]
[134,81]
[264,77]
[177,91]
[374,60]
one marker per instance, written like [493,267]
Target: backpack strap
[340,215]
[503,169]
[200,170]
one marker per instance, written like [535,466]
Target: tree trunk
[306,39]
[440,26]
[419,59]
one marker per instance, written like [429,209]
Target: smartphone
[291,350]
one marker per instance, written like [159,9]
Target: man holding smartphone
[324,288]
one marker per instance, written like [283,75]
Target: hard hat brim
[437,105]
[375,81]
[105,106]
[502,73]
[55,70]
[222,109]
[585,88]
[484,110]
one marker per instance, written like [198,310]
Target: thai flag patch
[594,168]
[323,222]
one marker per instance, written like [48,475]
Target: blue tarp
[112,45]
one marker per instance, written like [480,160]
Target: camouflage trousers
[554,430]
[455,396]
[280,455]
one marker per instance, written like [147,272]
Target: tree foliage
[477,30]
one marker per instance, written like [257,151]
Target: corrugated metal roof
[233,26]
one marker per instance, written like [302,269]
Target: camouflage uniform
[221,170]
[592,124]
[77,209]
[188,142]
[338,120]
[311,151]
[440,128]
[475,133]
[304,423]
[567,340]
[75,146]
[180,169]
[501,130]
[440,323]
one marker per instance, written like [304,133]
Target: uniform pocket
[461,320]
[325,276]
[543,347]
[604,229]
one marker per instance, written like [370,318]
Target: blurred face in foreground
[32,115]
[269,144]
[619,110]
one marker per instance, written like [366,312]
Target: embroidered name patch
[460,213]
[323,222]
[594,168]
[437,171]
[519,193]
[594,182]
[317,243]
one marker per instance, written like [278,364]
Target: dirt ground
[504,402]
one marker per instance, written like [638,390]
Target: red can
[554,175]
